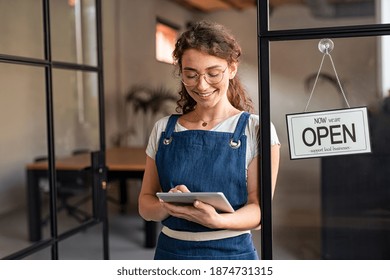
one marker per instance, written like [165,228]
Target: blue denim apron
[204,161]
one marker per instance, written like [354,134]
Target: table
[122,163]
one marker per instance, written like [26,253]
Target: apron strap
[170,128]
[240,130]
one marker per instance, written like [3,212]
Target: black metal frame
[265,36]
[98,166]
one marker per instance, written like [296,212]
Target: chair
[73,190]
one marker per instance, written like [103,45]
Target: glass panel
[76,120]
[75,111]
[73,29]
[21,28]
[323,208]
[44,254]
[23,140]
[297,14]
[86,245]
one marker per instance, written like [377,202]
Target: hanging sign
[328,133]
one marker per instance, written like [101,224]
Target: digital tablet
[215,199]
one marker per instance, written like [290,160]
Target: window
[166,35]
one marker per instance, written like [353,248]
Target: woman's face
[197,67]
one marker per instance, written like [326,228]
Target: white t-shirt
[228,125]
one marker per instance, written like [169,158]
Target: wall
[129,49]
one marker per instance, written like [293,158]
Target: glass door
[332,207]
[52,105]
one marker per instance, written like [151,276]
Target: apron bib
[204,161]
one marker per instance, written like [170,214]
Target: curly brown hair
[213,39]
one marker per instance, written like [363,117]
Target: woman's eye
[213,74]
[190,75]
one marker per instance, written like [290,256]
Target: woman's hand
[180,189]
[198,212]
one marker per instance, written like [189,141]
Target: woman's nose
[202,83]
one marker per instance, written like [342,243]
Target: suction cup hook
[326,46]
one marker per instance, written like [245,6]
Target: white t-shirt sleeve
[274,136]
[253,134]
[154,138]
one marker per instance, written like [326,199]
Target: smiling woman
[211,147]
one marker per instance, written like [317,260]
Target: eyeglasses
[191,78]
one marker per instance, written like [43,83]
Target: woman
[211,147]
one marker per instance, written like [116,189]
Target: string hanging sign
[330,132]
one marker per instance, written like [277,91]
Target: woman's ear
[233,70]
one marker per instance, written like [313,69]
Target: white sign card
[328,133]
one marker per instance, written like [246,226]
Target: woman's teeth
[205,94]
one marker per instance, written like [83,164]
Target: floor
[126,238]
[126,234]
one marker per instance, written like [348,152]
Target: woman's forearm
[151,209]
[247,217]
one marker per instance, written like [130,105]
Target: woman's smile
[204,94]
